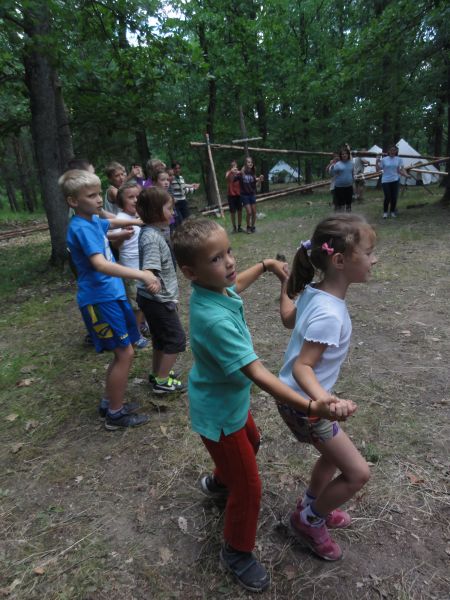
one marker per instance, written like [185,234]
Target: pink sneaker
[316,538]
[337,519]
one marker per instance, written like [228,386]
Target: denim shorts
[248,199]
[308,430]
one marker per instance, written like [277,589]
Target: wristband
[264,266]
[308,410]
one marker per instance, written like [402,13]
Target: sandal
[249,572]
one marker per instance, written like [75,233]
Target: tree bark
[40,77]
[23,175]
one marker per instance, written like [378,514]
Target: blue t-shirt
[390,166]
[219,393]
[342,172]
[84,239]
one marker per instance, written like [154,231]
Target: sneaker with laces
[212,488]
[247,570]
[123,420]
[172,373]
[141,343]
[394,215]
[385,215]
[128,407]
[316,538]
[170,386]
[337,519]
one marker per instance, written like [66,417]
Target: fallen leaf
[39,570]
[79,478]
[28,369]
[182,524]
[290,572]
[15,448]
[414,480]
[406,333]
[166,555]
[164,430]
[29,425]
[12,417]
[25,382]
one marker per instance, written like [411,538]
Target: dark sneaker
[128,407]
[170,386]
[125,419]
[234,230]
[248,571]
[212,488]
[253,229]
[172,373]
[249,229]
[240,230]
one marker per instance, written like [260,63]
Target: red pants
[234,457]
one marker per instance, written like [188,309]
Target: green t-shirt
[219,393]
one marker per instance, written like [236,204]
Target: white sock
[307,499]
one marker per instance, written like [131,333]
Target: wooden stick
[213,171]
[426,171]
[307,152]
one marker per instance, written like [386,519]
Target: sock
[310,517]
[307,499]
[115,413]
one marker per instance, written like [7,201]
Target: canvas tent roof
[283,166]
[431,177]
[372,165]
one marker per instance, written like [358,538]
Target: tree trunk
[262,127]
[142,147]
[446,196]
[24,177]
[40,77]
[62,121]
[11,195]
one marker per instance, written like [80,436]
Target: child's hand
[332,408]
[152,283]
[278,268]
[342,409]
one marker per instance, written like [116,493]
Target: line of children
[225,365]
[101,293]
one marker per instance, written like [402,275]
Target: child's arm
[327,407]
[99,263]
[303,369]
[115,223]
[249,276]
[288,310]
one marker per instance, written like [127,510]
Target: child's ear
[188,272]
[338,260]
[71,201]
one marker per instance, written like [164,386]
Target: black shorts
[166,329]
[343,196]
[234,203]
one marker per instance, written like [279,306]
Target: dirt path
[90,515]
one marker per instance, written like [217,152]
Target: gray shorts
[308,430]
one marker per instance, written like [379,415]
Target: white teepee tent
[372,168]
[427,178]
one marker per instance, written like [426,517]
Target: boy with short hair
[225,365]
[117,175]
[101,293]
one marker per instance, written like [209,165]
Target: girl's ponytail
[302,272]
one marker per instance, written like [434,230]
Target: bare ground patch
[91,515]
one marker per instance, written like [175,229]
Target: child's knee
[362,475]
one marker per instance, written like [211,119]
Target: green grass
[9,218]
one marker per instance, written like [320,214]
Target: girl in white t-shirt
[342,250]
[129,251]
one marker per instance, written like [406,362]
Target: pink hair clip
[327,249]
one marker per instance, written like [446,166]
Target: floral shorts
[308,430]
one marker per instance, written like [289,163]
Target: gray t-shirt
[155,255]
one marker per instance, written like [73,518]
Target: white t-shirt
[321,317]
[129,249]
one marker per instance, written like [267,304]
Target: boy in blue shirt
[225,365]
[101,293]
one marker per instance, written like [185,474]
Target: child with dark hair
[342,251]
[155,207]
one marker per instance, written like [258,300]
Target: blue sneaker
[123,420]
[141,343]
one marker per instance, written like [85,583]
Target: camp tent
[283,173]
[426,178]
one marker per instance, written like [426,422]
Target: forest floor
[91,515]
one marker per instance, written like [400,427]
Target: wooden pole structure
[307,152]
[213,171]
[426,171]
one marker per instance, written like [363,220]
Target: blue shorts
[248,199]
[110,324]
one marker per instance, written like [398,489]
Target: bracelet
[308,410]
[264,266]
